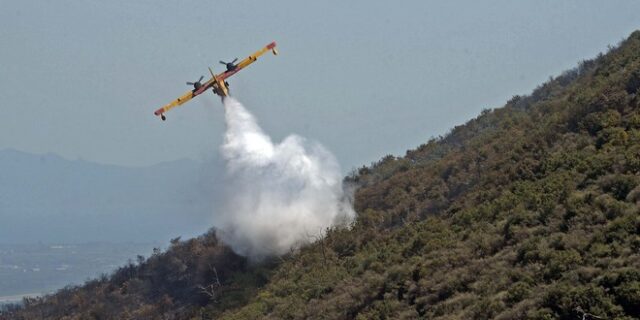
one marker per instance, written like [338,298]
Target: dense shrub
[527,211]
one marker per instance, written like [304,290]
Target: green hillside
[529,211]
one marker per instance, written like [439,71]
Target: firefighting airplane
[217,83]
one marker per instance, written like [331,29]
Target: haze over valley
[46,198]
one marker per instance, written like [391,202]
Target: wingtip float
[217,83]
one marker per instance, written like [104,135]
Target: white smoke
[278,196]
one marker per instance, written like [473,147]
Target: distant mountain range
[51,199]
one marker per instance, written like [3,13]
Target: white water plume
[278,196]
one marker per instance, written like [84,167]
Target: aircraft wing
[249,60]
[182,99]
[217,82]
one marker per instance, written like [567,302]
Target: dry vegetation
[530,211]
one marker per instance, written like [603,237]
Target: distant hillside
[51,199]
[530,211]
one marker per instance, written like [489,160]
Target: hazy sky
[365,78]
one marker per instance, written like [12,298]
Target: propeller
[230,65]
[232,62]
[197,83]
